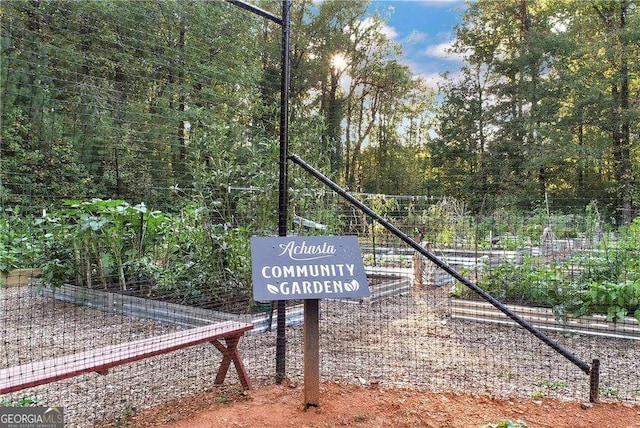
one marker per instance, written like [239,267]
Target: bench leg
[230,353]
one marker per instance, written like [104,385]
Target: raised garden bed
[384,285]
[20,277]
[190,316]
[158,310]
[543,318]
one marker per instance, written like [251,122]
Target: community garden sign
[307,267]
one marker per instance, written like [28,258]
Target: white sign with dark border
[307,267]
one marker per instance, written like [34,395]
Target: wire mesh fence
[422,327]
[135,168]
[418,331]
[126,127]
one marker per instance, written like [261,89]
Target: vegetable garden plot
[139,156]
[406,340]
[560,293]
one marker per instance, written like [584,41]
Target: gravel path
[399,341]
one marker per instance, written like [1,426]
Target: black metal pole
[254,9]
[283,198]
[444,266]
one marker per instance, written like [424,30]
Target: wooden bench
[102,359]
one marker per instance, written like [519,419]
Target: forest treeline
[146,100]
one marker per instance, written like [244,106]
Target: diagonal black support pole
[444,266]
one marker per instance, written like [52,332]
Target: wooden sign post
[311,353]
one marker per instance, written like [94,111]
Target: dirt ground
[373,406]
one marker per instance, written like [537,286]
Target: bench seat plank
[100,360]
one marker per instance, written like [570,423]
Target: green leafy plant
[537,394]
[526,283]
[554,385]
[616,300]
[20,402]
[98,242]
[223,399]
[609,391]
[506,423]
[199,262]
[18,248]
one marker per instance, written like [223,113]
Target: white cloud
[390,32]
[414,37]
[441,51]
[432,80]
[365,24]
[439,2]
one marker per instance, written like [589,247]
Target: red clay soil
[352,406]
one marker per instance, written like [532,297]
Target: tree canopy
[145,100]
[546,104]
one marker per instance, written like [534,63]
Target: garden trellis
[139,154]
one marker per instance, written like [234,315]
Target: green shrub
[182,257]
[18,247]
[526,283]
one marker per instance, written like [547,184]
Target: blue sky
[425,28]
